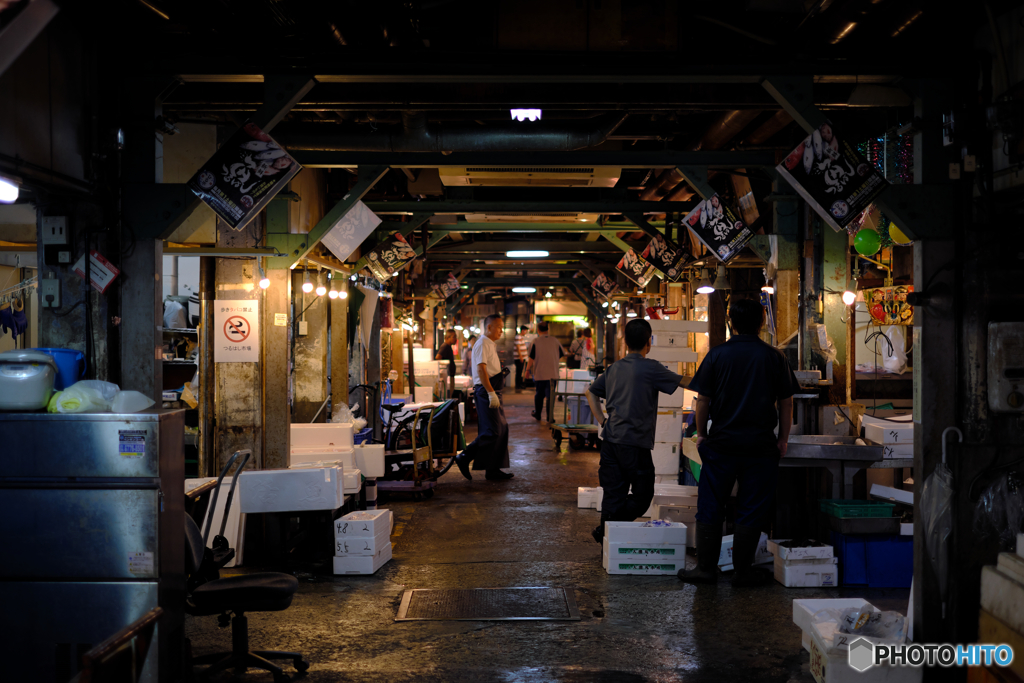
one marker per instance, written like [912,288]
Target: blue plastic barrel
[70,366]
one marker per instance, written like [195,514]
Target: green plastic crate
[851,509]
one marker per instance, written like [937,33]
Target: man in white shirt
[489,451]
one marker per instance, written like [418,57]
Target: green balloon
[867,242]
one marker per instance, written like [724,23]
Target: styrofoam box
[675,490]
[676,354]
[761,555]
[904,450]
[670,339]
[568,387]
[302,456]
[351,480]
[588,497]
[675,499]
[907,529]
[1002,596]
[834,667]
[669,426]
[666,458]
[892,494]
[234,530]
[371,546]
[687,326]
[805,553]
[370,459]
[807,573]
[636,532]
[643,550]
[421,355]
[804,610]
[650,565]
[582,375]
[673,400]
[888,432]
[1012,565]
[424,394]
[290,490]
[331,435]
[361,564]
[363,524]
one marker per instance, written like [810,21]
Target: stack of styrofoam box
[761,556]
[321,443]
[811,566]
[589,497]
[670,346]
[830,650]
[370,459]
[574,381]
[633,548]
[362,542]
[291,490]
[677,507]
[895,434]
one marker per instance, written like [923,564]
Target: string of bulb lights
[335,287]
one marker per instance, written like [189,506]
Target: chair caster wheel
[301,666]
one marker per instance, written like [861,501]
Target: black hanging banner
[446,287]
[832,177]
[244,175]
[605,286]
[666,257]
[636,268]
[717,227]
[388,257]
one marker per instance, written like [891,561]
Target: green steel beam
[614,159]
[616,240]
[795,95]
[697,177]
[464,206]
[641,222]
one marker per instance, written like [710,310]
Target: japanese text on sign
[236,331]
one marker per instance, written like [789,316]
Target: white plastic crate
[361,564]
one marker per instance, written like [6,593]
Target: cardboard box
[306,456]
[351,480]
[888,432]
[761,555]
[589,497]
[636,532]
[672,354]
[361,564]
[363,524]
[673,400]
[290,490]
[359,547]
[666,458]
[892,494]
[331,435]
[689,449]
[679,326]
[807,573]
[370,459]
[619,558]
[669,426]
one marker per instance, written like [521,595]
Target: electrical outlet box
[49,292]
[303,328]
[1006,367]
[55,230]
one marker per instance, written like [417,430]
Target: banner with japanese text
[718,229]
[388,257]
[636,268]
[236,331]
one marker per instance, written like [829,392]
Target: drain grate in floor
[489,604]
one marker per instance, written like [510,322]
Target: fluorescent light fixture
[524,290]
[8,191]
[264,280]
[524,114]
[320,289]
[647,317]
[307,286]
[526,254]
[849,297]
[609,316]
[630,313]
[705,286]
[465,333]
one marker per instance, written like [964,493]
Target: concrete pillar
[309,378]
[836,254]
[275,307]
[339,347]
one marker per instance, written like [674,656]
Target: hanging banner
[447,287]
[636,268]
[832,177]
[387,313]
[244,175]
[236,331]
[605,286]
[888,305]
[349,232]
[388,257]
[666,257]
[717,227]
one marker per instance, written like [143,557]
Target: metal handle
[231,492]
[959,438]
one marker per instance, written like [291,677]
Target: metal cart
[419,466]
[580,436]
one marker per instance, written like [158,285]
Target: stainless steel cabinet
[93,536]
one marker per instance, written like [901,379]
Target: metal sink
[832,448]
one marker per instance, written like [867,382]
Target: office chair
[209,594]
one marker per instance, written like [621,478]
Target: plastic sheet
[936,510]
[894,357]
[999,512]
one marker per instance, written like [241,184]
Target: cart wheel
[428,494]
[593,441]
[417,496]
[558,440]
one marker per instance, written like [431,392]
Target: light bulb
[343,294]
[264,280]
[307,286]
[768,289]
[8,191]
[547,295]
[394,274]
[604,304]
[849,297]
[458,328]
[630,314]
[353,278]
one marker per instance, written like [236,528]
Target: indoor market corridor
[527,532]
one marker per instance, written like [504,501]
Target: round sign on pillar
[236,325]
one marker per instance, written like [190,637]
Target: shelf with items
[180,330]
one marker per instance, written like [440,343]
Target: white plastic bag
[895,359]
[130,402]
[87,396]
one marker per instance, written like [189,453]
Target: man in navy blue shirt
[630,388]
[746,388]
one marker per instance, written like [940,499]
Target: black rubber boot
[744,547]
[709,548]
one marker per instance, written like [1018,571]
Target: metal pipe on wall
[207,293]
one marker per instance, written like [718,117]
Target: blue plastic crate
[363,435]
[874,560]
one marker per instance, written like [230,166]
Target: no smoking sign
[237,338]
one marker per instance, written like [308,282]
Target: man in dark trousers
[746,388]
[447,352]
[489,451]
[630,389]
[542,365]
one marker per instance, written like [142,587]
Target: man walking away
[522,353]
[572,360]
[489,451]
[630,389]
[543,365]
[746,388]
[447,352]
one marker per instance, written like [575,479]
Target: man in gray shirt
[630,388]
[545,353]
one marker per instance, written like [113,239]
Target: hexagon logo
[862,654]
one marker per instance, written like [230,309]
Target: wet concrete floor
[527,532]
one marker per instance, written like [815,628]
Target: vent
[529,176]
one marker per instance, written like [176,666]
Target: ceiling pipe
[418,135]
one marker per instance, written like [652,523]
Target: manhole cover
[489,604]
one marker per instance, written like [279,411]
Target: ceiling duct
[418,135]
[525,176]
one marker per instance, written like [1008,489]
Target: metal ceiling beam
[697,177]
[614,159]
[641,222]
[795,95]
[459,206]
[450,228]
[619,243]
[509,264]
[552,247]
[24,29]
